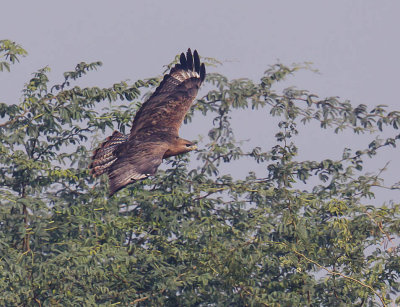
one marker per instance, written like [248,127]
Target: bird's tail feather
[104,156]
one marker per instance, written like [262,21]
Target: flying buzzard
[154,133]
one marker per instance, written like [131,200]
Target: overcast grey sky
[354,44]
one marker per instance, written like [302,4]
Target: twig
[380,227]
[11,121]
[140,299]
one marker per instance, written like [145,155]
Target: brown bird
[154,133]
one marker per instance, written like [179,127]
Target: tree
[192,235]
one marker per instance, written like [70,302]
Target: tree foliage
[193,235]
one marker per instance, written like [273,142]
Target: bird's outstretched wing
[167,107]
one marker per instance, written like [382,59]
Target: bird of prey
[154,133]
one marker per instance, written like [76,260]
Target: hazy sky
[354,44]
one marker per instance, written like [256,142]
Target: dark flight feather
[183,61]
[189,59]
[196,62]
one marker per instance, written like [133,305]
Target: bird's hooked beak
[193,147]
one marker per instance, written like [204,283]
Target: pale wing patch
[139,176]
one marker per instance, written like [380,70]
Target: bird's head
[179,146]
[186,146]
[190,146]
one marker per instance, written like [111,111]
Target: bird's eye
[188,145]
